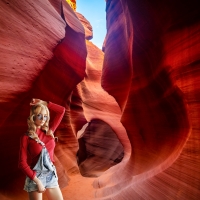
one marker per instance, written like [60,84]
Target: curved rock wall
[40,59]
[147,92]
[161,106]
[99,142]
[87,26]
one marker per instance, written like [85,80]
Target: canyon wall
[131,126]
[151,67]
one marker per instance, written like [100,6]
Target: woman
[37,149]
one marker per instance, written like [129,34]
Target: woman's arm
[23,157]
[23,165]
[59,110]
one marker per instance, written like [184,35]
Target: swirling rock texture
[87,26]
[154,45]
[132,127]
[100,148]
[39,58]
[95,154]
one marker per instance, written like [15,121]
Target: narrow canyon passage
[131,125]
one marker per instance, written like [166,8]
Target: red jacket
[30,149]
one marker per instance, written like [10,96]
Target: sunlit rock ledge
[131,127]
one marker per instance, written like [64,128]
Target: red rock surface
[87,26]
[40,59]
[96,154]
[156,54]
[147,93]
[100,147]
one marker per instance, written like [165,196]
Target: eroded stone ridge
[140,97]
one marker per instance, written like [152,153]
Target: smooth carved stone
[71,18]
[99,149]
[99,106]
[40,59]
[119,41]
[161,106]
[145,87]
[87,26]
[77,116]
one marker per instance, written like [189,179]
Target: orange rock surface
[138,100]
[87,26]
[156,86]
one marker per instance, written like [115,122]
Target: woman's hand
[39,184]
[50,132]
[36,101]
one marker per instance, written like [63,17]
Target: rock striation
[153,79]
[87,26]
[39,55]
[132,112]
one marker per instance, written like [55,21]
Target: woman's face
[41,118]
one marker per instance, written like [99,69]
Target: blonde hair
[34,111]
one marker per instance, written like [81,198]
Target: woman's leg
[54,193]
[35,195]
